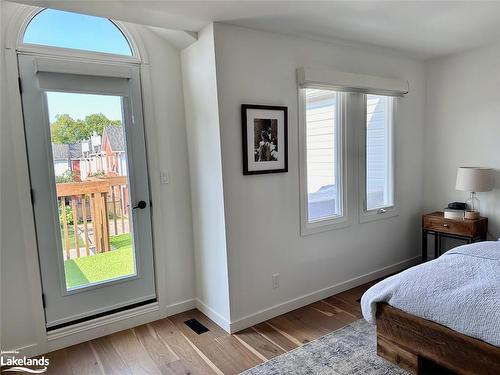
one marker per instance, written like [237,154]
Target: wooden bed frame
[418,345]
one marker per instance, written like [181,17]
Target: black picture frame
[281,139]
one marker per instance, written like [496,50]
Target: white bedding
[460,290]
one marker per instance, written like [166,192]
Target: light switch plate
[164,177]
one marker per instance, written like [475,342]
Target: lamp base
[472,215]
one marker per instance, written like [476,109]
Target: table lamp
[473,180]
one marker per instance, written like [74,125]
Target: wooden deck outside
[92,203]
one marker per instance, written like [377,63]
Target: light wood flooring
[168,346]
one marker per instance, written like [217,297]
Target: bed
[442,314]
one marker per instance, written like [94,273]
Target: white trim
[101,321]
[213,315]
[113,323]
[157,220]
[351,82]
[103,326]
[379,213]
[342,221]
[100,284]
[282,308]
[24,197]
[96,312]
[375,215]
[36,49]
[83,66]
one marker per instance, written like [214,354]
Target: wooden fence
[92,202]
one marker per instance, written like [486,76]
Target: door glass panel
[90,170]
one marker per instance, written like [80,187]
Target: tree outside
[66,130]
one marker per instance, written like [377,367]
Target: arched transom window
[56,28]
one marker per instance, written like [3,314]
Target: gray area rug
[347,351]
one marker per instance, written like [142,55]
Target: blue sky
[71,30]
[80,105]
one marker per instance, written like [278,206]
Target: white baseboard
[213,315]
[180,307]
[282,308]
[102,323]
[113,323]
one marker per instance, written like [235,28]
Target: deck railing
[92,203]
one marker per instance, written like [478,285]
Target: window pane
[56,28]
[90,169]
[323,178]
[379,169]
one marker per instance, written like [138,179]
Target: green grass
[100,267]
[71,234]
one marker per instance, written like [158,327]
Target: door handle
[141,204]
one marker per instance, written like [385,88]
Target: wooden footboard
[414,343]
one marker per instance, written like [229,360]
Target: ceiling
[419,29]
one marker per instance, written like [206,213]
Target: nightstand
[467,230]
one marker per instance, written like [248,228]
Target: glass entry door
[88,171]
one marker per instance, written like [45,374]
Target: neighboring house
[66,157]
[104,154]
[60,156]
[75,153]
[97,155]
[113,151]
[321,155]
[91,161]
[377,151]
[114,157]
[321,158]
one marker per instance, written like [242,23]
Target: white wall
[463,127]
[262,212]
[203,130]
[171,154]
[246,228]
[167,150]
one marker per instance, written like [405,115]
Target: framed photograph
[265,139]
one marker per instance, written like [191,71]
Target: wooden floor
[168,346]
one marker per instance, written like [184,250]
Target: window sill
[307,228]
[373,215]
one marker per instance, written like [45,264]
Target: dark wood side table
[465,229]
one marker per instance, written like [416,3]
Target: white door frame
[41,74]
[43,341]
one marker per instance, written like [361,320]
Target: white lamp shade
[474,179]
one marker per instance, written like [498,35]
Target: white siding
[321,145]
[378,149]
[320,115]
[122,164]
[61,166]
